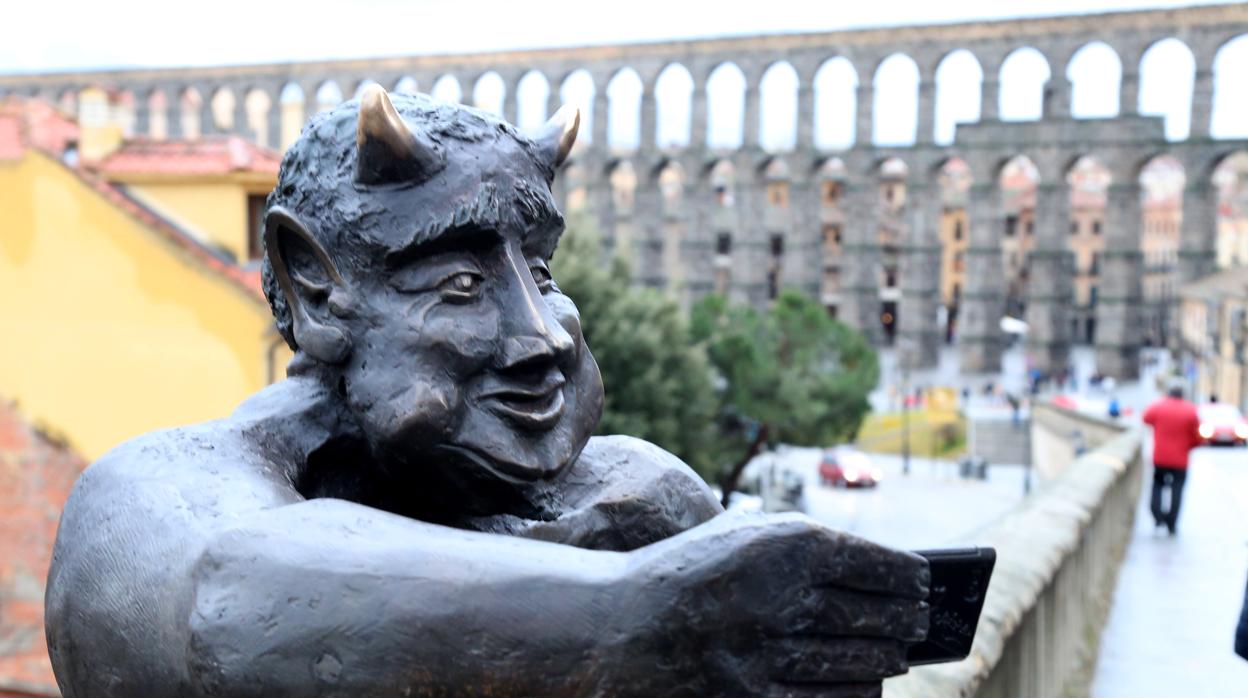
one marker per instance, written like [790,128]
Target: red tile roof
[12,145]
[43,127]
[36,475]
[208,155]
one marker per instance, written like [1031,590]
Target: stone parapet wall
[1058,558]
[1062,435]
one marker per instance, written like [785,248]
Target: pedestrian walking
[1176,431]
[1241,632]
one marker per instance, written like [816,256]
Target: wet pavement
[1172,623]
[929,508]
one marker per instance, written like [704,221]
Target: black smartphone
[959,585]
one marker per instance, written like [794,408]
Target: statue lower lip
[527,410]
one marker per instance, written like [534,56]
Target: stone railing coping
[1032,543]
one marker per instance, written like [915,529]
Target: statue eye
[463,286]
[541,275]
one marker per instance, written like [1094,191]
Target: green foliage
[657,379]
[794,368]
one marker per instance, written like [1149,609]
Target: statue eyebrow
[462,238]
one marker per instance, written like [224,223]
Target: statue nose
[532,350]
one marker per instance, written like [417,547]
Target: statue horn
[559,133]
[387,150]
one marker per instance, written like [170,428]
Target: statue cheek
[467,339]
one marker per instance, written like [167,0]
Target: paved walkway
[1171,626]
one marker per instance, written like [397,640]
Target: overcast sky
[73,34]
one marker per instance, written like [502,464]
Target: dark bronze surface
[419,508]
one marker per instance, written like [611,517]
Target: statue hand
[765,605]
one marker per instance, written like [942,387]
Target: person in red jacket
[1176,431]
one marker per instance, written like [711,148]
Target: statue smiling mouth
[534,407]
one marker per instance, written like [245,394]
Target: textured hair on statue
[323,182]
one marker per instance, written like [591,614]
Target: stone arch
[532,96]
[1162,180]
[406,85]
[725,100]
[1229,178]
[328,96]
[447,89]
[1095,75]
[292,103]
[1230,99]
[959,83]
[721,175]
[67,102]
[577,88]
[953,177]
[124,111]
[836,99]
[778,108]
[1017,178]
[576,193]
[489,92]
[258,106]
[622,177]
[1088,178]
[673,94]
[896,107]
[1023,75]
[222,108]
[190,109]
[157,114]
[1167,76]
[670,178]
[624,110]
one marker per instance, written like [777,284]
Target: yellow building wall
[215,210]
[109,329]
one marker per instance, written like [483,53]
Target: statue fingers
[831,611]
[823,690]
[855,563]
[820,660]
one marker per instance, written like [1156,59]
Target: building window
[723,244]
[1011,224]
[831,236]
[958,263]
[1031,227]
[1092,296]
[1096,227]
[255,226]
[831,193]
[957,230]
[778,194]
[890,277]
[1095,267]
[777,245]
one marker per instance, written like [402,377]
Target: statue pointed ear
[558,135]
[314,290]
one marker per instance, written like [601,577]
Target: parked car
[1221,423]
[845,466]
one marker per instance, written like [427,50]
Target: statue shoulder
[209,468]
[626,493]
[636,464]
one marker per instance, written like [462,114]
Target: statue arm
[228,583]
[331,595]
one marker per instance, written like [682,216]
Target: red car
[848,467]
[1221,423]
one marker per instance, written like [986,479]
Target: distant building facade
[748,217]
